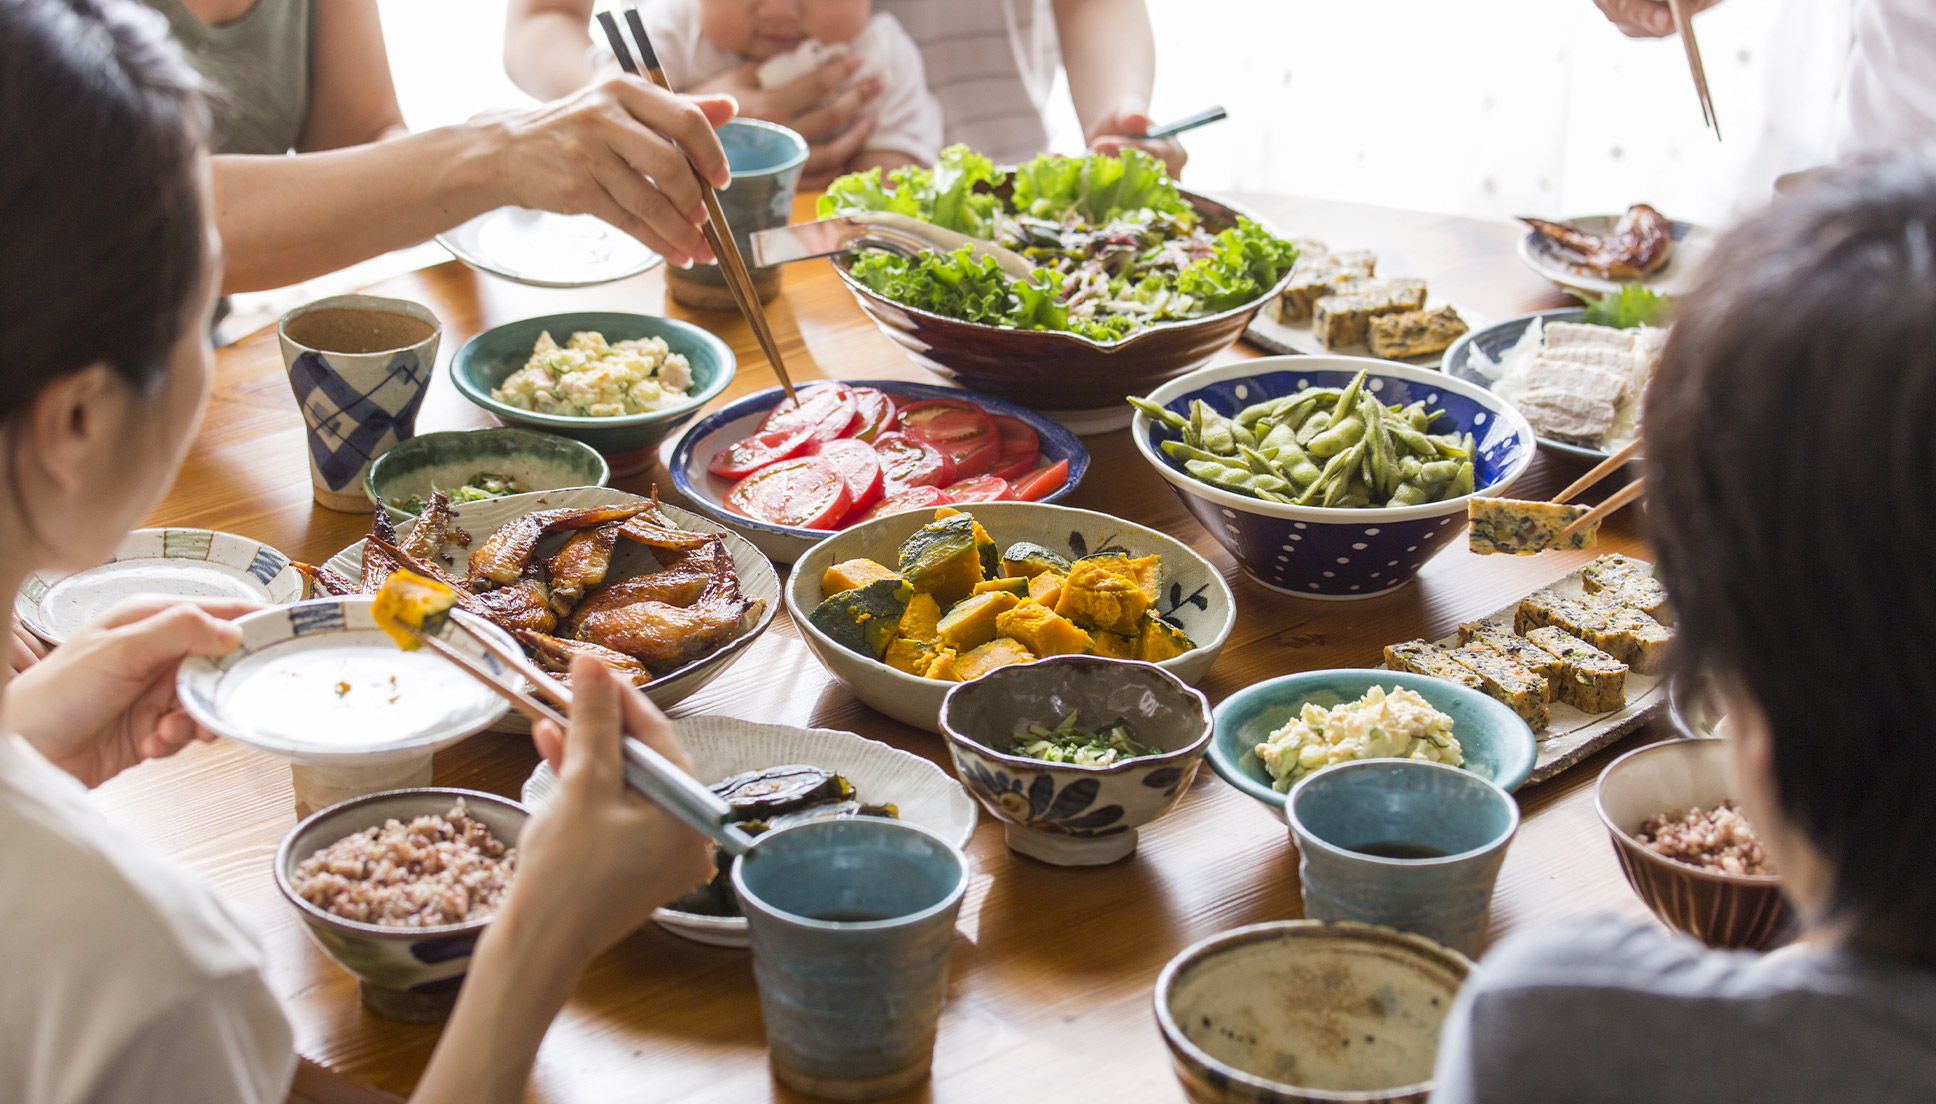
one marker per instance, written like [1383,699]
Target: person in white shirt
[990,63]
[122,977]
[1888,97]
[700,40]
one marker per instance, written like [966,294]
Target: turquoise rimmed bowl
[443,461]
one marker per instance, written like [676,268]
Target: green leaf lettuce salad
[1117,247]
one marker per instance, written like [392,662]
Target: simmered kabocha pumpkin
[864,618]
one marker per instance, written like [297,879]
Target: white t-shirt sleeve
[684,54]
[226,1044]
[907,115]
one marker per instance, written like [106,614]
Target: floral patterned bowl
[1194,596]
[1311,551]
[1062,813]
[408,974]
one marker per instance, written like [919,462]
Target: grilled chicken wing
[555,654]
[1639,244]
[662,635]
[503,558]
[580,565]
[522,605]
[427,536]
[655,530]
[377,563]
[681,582]
[327,580]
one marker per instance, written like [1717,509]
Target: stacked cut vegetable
[1118,248]
[954,609]
[843,455]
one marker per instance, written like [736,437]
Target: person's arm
[352,99]
[1646,18]
[1109,52]
[591,867]
[547,45]
[608,150]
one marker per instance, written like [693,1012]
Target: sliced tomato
[742,458]
[914,498]
[877,413]
[957,427]
[828,410]
[1020,447]
[806,492]
[1042,482]
[910,462]
[860,466]
[981,488]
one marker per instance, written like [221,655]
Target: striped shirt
[991,63]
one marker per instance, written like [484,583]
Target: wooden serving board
[1572,735]
[1267,332]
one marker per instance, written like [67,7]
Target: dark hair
[101,122]
[1791,439]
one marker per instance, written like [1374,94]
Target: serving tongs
[895,233]
[648,772]
[719,234]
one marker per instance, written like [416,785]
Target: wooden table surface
[1053,968]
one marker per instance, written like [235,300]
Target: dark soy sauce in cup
[1400,849]
[356,330]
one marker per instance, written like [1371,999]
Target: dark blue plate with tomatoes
[787,476]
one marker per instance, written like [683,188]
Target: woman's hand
[619,150]
[1115,132]
[819,106]
[1646,18]
[600,858]
[105,700]
[25,649]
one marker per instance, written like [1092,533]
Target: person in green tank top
[315,169]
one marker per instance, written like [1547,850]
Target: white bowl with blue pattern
[175,562]
[317,682]
[1334,553]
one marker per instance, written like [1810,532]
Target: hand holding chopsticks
[1613,502]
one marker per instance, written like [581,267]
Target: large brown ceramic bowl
[1721,910]
[1078,382]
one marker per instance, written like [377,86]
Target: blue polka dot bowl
[1336,554]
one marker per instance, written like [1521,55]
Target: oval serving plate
[186,563]
[785,544]
[1554,261]
[722,747]
[318,682]
[757,579]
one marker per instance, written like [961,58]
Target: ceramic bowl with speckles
[1302,1012]
[1335,553]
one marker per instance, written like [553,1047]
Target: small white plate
[318,682]
[1550,259]
[548,250]
[186,563]
[481,519]
[721,747]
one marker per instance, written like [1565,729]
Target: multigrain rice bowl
[433,871]
[1719,840]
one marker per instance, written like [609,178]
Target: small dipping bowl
[1404,843]
[445,461]
[1063,813]
[1299,1010]
[407,974]
[1721,910]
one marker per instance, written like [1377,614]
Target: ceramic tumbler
[1403,843]
[766,160]
[851,922]
[359,366]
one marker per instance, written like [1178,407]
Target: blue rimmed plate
[318,682]
[1494,342]
[785,544]
[183,563]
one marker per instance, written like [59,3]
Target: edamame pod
[1161,414]
[1340,436]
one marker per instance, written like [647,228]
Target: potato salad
[1398,724]
[589,378]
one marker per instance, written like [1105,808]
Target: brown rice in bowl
[433,871]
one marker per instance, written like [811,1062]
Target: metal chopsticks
[718,234]
[1684,26]
[648,772]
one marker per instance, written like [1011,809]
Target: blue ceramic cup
[851,922]
[1404,843]
[766,160]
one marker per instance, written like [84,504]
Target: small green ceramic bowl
[443,461]
[627,441]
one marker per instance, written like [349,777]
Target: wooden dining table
[1053,968]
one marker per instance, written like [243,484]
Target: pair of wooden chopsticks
[718,234]
[1684,26]
[1613,501]
[648,772]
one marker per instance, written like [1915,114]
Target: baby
[699,39]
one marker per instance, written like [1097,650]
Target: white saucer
[548,250]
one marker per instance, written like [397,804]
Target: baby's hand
[826,107]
